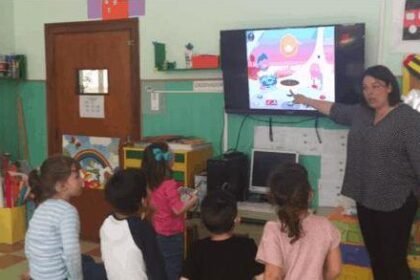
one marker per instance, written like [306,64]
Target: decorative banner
[98,157]
[115,9]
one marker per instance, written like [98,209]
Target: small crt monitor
[263,162]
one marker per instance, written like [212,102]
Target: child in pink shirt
[299,245]
[168,209]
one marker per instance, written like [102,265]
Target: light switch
[154,101]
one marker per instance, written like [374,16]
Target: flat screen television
[263,163]
[262,68]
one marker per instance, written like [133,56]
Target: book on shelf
[175,142]
[188,147]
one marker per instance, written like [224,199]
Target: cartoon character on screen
[267,79]
[262,62]
[316,76]
[289,45]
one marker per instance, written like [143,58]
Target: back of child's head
[218,212]
[156,163]
[125,189]
[290,192]
[55,169]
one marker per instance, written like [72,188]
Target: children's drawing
[98,157]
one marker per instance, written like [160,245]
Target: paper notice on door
[92,106]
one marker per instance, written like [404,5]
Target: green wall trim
[9,118]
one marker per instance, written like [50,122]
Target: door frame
[53,29]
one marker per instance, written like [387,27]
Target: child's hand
[25,276]
[192,201]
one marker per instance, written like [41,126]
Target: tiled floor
[13,262]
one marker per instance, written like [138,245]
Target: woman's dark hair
[290,191]
[385,75]
[155,165]
[218,212]
[53,170]
[125,189]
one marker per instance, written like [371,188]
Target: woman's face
[376,92]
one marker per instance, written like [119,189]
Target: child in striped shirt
[52,241]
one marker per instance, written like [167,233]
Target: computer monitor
[263,162]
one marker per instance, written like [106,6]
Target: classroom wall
[31,133]
[7,40]
[162,23]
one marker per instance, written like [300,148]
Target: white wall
[7,43]
[176,22]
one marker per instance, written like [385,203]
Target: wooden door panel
[116,50]
[104,52]
[111,45]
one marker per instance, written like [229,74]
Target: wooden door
[111,45]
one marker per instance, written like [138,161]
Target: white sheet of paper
[91,106]
[329,192]
[301,140]
[213,86]
[333,167]
[334,142]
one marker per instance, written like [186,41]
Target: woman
[383,167]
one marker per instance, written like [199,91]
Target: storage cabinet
[187,162]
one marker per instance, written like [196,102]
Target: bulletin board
[323,157]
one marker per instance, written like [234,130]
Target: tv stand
[256,211]
[257,197]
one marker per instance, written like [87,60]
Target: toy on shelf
[188,55]
[12,66]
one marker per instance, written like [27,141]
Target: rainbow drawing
[98,157]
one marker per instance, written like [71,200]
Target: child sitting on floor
[128,243]
[222,255]
[299,245]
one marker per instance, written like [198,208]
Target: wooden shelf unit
[187,162]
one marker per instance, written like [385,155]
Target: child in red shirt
[168,209]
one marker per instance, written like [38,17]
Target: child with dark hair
[52,241]
[299,245]
[128,243]
[222,255]
[168,210]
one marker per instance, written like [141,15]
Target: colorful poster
[411,22]
[115,9]
[98,157]
[406,26]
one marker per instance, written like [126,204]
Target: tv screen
[263,163]
[263,68]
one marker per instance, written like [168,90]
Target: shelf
[162,65]
[189,69]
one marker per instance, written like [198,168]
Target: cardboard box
[352,272]
[12,224]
